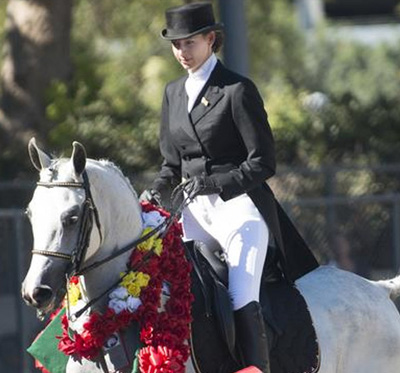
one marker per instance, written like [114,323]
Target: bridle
[89,211]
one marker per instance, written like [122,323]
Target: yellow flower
[153,242]
[134,290]
[74,293]
[134,282]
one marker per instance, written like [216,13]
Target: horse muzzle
[40,296]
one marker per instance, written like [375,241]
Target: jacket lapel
[208,97]
[182,112]
[206,103]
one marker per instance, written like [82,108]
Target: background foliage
[329,100]
[113,103]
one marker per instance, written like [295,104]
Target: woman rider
[215,137]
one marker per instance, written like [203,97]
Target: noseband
[89,211]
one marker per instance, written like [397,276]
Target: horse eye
[70,217]
[70,220]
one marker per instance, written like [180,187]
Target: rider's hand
[151,195]
[200,186]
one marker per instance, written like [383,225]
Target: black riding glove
[200,186]
[151,195]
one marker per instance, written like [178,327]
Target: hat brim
[164,33]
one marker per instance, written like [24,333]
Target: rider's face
[192,52]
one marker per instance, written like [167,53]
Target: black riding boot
[252,336]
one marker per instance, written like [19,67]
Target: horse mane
[51,172]
[114,168]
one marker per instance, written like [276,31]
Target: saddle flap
[284,309]
[297,337]
[222,306]
[215,293]
[215,262]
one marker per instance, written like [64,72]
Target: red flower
[166,339]
[167,266]
[147,207]
[86,347]
[176,308]
[182,292]
[184,350]
[66,346]
[166,321]
[124,319]
[182,332]
[100,326]
[161,360]
[146,334]
[152,267]
[149,317]
[74,280]
[81,346]
[151,296]
[136,258]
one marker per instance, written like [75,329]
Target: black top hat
[189,20]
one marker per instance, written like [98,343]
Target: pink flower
[161,360]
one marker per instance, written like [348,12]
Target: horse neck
[121,223]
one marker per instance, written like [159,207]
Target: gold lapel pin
[205,102]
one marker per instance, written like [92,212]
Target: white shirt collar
[205,70]
[196,80]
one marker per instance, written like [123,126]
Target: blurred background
[95,70]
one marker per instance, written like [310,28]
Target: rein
[165,224]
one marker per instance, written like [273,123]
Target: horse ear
[39,158]
[78,157]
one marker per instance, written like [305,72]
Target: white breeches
[237,227]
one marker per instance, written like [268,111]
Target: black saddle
[294,345]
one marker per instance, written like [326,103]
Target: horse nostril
[41,295]
[27,298]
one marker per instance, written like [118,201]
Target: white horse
[357,324]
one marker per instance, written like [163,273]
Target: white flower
[118,305]
[133,303]
[152,219]
[119,293]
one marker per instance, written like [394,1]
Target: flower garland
[163,330]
